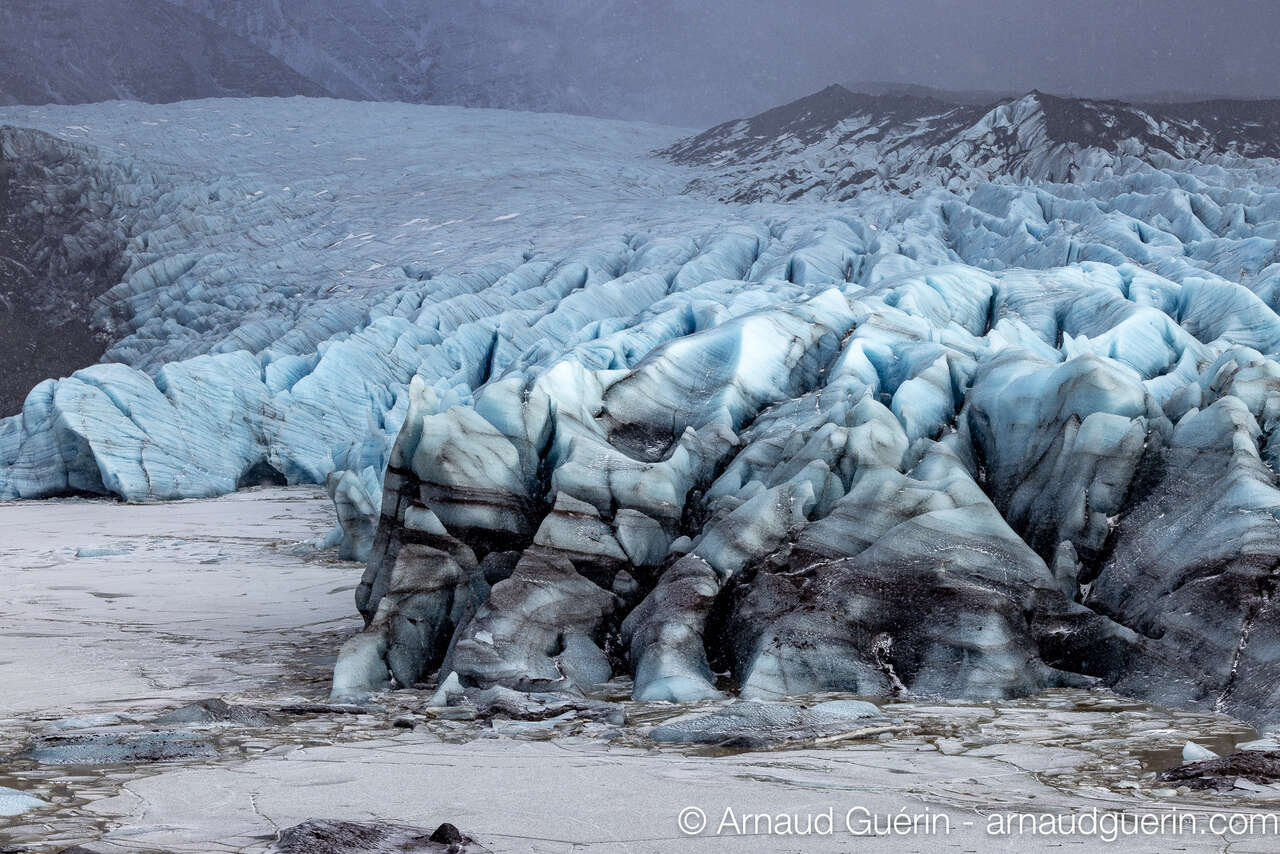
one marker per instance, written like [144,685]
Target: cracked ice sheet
[231,626]
[170,602]
[1068,749]
[400,182]
[576,795]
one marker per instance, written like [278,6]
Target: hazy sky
[689,62]
[1088,47]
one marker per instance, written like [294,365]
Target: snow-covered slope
[71,51]
[835,144]
[973,441]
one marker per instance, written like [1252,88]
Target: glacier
[584,417]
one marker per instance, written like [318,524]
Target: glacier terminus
[791,431]
[1000,422]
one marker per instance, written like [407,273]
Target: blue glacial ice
[972,441]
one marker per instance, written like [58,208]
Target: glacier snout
[943,484]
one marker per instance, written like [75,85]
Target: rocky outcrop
[62,242]
[330,836]
[835,144]
[144,50]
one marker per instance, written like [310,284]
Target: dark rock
[54,260]
[329,836]
[1256,766]
[447,834]
[216,711]
[158,52]
[323,709]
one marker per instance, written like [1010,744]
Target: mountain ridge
[836,143]
[147,50]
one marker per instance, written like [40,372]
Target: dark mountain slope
[837,143]
[64,51]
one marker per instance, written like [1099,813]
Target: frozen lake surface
[223,598]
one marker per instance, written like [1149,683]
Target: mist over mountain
[623,61]
[982,97]
[70,51]
[661,61]
[972,97]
